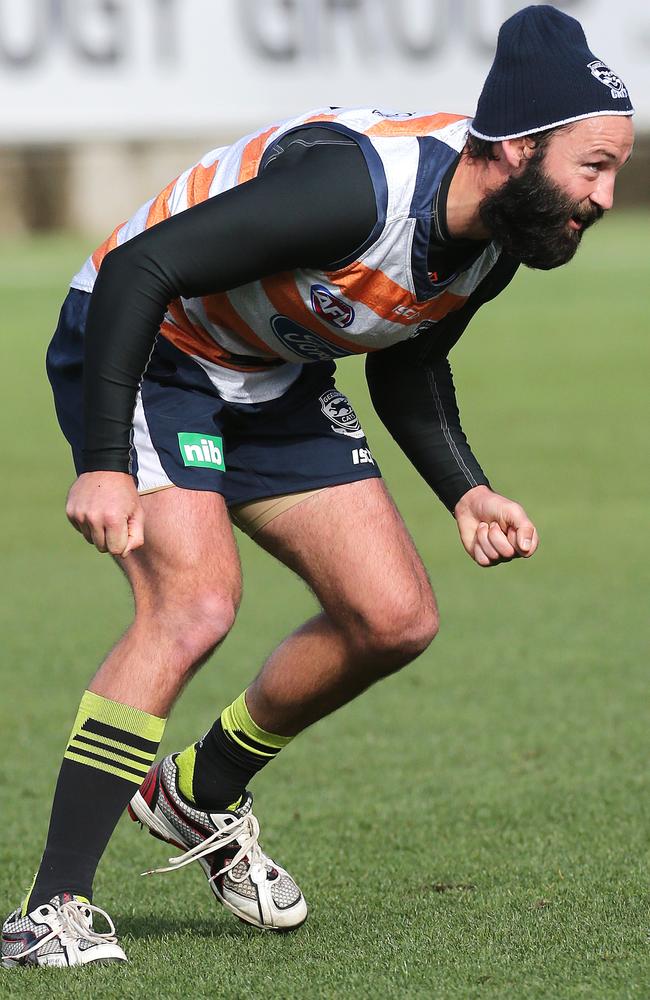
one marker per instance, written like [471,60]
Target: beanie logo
[605,76]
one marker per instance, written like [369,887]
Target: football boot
[225,844]
[58,933]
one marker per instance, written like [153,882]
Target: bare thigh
[350,544]
[189,547]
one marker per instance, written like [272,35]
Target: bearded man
[193,377]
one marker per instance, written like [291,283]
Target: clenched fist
[494,529]
[106,509]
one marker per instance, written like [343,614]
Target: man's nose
[603,193]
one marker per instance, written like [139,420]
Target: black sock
[214,772]
[111,748]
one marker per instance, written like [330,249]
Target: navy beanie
[543,75]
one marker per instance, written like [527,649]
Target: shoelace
[72,925]
[246,830]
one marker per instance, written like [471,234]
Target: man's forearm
[413,392]
[418,406]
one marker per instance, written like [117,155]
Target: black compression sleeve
[314,206]
[418,406]
[412,390]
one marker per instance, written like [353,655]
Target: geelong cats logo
[338,409]
[605,76]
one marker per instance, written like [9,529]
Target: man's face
[541,212]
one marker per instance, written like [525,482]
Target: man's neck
[468,187]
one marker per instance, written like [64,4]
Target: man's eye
[593,166]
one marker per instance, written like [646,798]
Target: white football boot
[241,876]
[58,933]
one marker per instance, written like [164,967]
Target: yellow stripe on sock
[24,910]
[83,749]
[237,718]
[106,753]
[113,713]
[246,746]
[105,766]
[185,761]
[111,744]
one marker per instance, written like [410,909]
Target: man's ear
[517,151]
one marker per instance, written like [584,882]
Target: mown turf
[476,827]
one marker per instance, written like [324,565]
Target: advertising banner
[144,69]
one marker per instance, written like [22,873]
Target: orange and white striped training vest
[383,296]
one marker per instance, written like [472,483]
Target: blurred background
[104,101]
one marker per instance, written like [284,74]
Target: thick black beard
[529,217]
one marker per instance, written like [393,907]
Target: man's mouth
[583,220]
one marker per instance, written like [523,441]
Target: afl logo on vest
[330,307]
[338,409]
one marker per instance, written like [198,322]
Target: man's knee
[400,630]
[207,620]
[193,624]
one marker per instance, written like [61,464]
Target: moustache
[587,216]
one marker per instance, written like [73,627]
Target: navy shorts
[186,434]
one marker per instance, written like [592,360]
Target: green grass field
[476,827]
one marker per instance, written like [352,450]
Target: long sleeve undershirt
[311,207]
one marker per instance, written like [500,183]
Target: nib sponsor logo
[330,307]
[202,451]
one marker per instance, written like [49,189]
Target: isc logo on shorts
[362,456]
[202,451]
